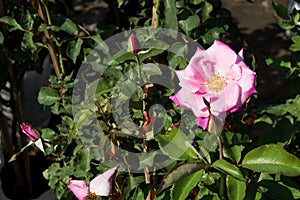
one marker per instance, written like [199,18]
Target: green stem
[223,186]
[139,68]
[220,148]
[47,12]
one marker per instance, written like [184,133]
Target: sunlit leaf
[272,159]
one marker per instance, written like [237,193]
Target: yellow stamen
[216,83]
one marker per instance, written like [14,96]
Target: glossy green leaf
[27,20]
[229,168]
[173,144]
[12,23]
[182,188]
[207,9]
[296,46]
[277,190]
[236,189]
[179,172]
[272,159]
[84,159]
[48,96]
[69,26]
[138,194]
[120,3]
[74,48]
[196,2]
[48,133]
[286,25]
[170,13]
[27,42]
[190,23]
[281,10]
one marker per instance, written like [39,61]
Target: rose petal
[203,122]
[79,188]
[228,100]
[191,101]
[222,55]
[235,73]
[102,184]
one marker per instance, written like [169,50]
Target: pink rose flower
[220,76]
[30,132]
[101,185]
[79,188]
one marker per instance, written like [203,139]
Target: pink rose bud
[30,132]
[218,75]
[133,45]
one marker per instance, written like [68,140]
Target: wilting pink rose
[220,76]
[79,188]
[101,185]
[30,132]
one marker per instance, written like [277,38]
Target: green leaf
[236,190]
[1,39]
[138,194]
[73,49]
[48,133]
[84,159]
[281,10]
[196,2]
[272,159]
[173,145]
[275,190]
[48,96]
[286,25]
[12,23]
[182,188]
[278,110]
[230,169]
[28,43]
[170,12]
[27,21]
[178,173]
[190,23]
[207,9]
[69,26]
[119,59]
[120,3]
[296,46]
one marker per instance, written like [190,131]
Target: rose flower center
[216,83]
[91,196]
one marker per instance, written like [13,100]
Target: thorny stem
[58,68]
[220,148]
[144,96]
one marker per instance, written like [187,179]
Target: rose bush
[218,75]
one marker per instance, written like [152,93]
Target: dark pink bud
[30,132]
[134,45]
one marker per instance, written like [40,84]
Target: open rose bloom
[218,75]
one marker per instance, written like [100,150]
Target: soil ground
[257,22]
